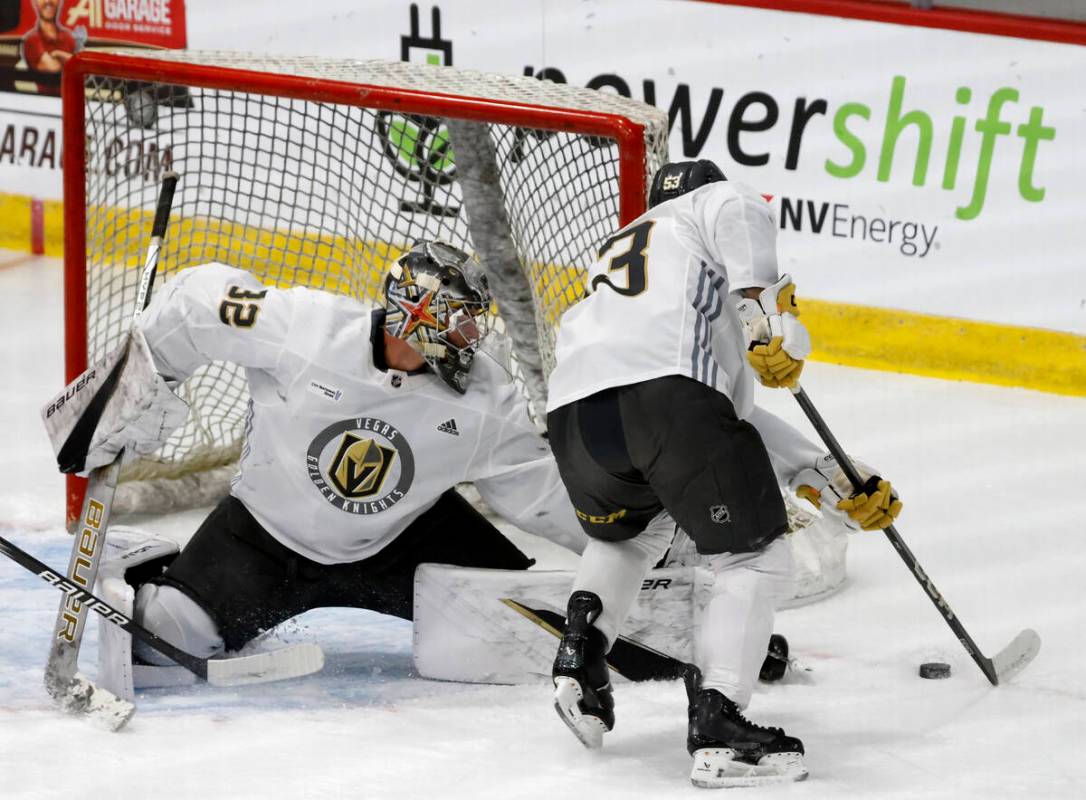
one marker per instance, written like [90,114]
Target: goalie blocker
[120,402]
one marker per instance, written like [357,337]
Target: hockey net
[318,172]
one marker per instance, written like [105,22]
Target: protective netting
[325,194]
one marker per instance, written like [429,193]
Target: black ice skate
[582,685]
[731,751]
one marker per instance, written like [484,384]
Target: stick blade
[1016,656]
[277,665]
[81,697]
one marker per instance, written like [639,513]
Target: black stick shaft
[198,666]
[165,203]
[158,233]
[902,549]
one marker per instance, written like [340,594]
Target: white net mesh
[325,194]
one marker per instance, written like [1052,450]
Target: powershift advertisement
[912,168]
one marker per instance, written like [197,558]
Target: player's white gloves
[779,342]
[826,486]
[119,403]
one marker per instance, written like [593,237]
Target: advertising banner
[929,170]
[37,37]
[936,171]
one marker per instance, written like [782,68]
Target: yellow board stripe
[943,347]
[15,224]
[842,333]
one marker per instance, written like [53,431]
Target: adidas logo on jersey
[449,427]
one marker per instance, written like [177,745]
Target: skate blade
[716,768]
[587,728]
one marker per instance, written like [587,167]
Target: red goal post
[310,171]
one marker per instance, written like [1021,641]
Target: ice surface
[994,509]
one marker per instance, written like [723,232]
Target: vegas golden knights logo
[360,466]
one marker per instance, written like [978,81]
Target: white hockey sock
[736,626]
[614,571]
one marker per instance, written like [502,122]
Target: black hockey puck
[935,669]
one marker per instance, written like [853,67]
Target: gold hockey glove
[774,366]
[779,342]
[875,508]
[826,487]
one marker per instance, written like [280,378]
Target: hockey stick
[71,692]
[1009,661]
[628,657]
[288,662]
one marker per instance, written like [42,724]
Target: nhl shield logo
[720,514]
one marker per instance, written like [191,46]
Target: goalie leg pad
[502,626]
[174,616]
[130,555]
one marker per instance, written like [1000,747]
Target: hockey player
[361,422]
[651,419]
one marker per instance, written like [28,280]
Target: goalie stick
[1009,661]
[70,691]
[288,662]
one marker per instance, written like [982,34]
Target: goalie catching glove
[826,486]
[779,342]
[120,403]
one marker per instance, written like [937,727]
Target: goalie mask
[677,178]
[437,300]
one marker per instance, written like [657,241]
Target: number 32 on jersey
[631,244]
[239,314]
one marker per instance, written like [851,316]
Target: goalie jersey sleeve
[657,298]
[340,455]
[210,313]
[516,474]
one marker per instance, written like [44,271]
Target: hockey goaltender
[361,422]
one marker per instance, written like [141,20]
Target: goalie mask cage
[319,172]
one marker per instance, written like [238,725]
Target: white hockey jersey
[340,456]
[658,298]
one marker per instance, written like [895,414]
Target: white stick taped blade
[277,665]
[1016,656]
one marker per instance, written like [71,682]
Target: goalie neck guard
[679,177]
[437,300]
